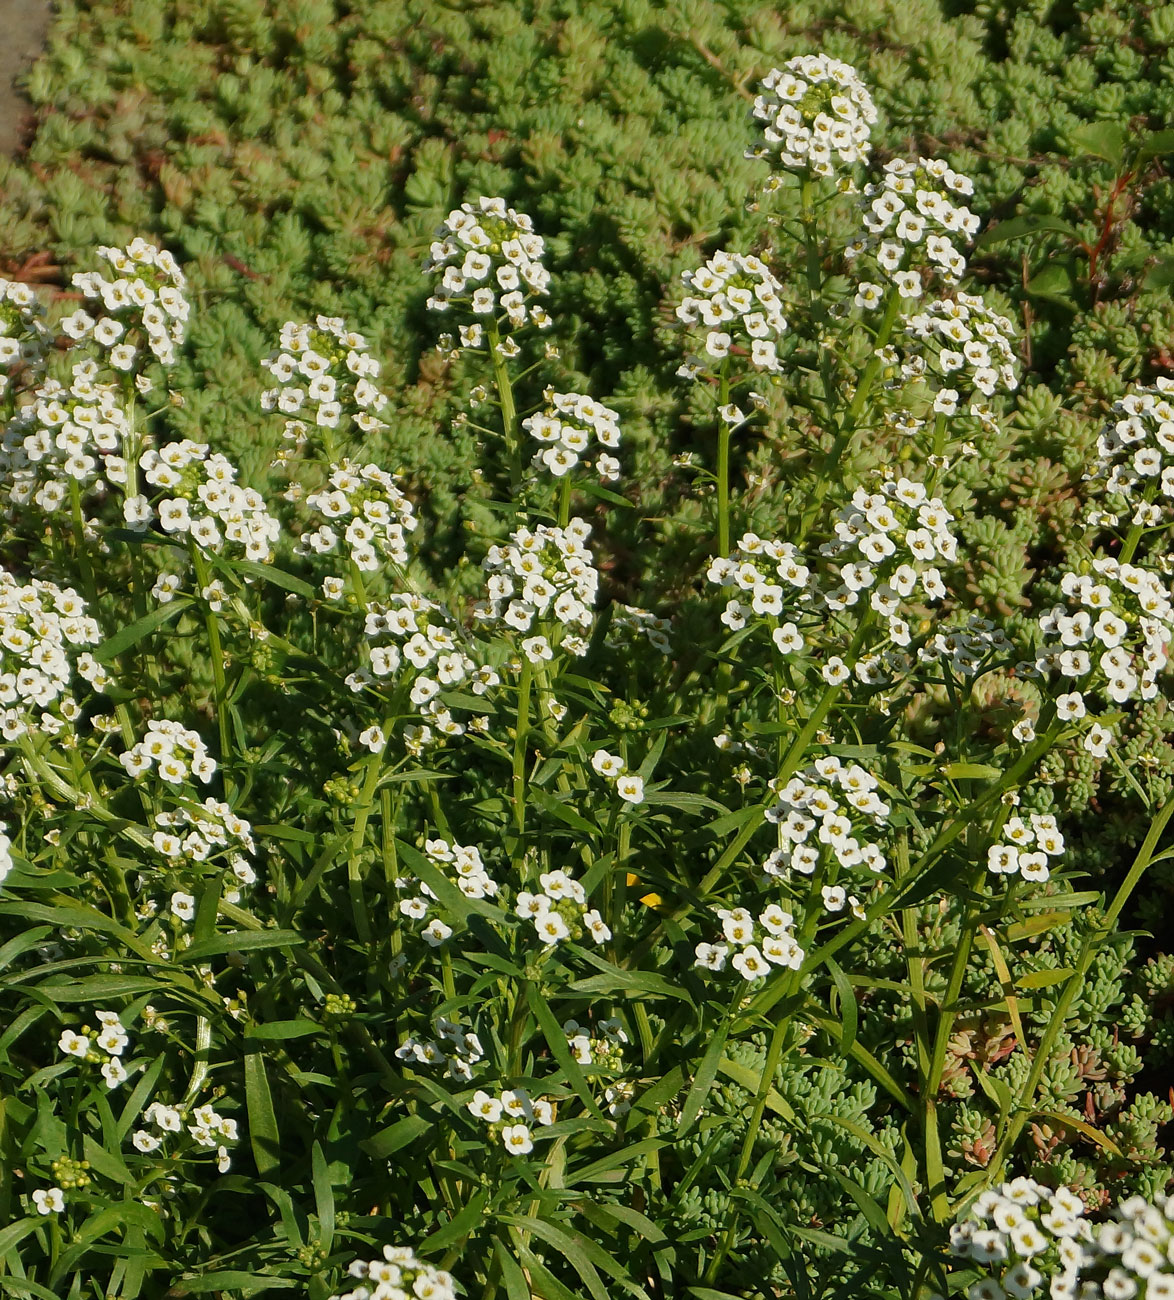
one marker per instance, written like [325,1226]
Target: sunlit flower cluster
[204,1126]
[398,1273]
[105,1045]
[1135,459]
[611,767]
[752,948]
[895,538]
[737,301]
[1025,847]
[24,339]
[603,1048]
[513,1104]
[325,378]
[826,818]
[772,584]
[194,833]
[173,751]
[545,576]
[1112,638]
[566,431]
[461,862]
[1033,1239]
[816,113]
[967,344]
[489,261]
[206,503]
[456,1048]
[367,516]
[41,628]
[1133,1256]
[559,910]
[424,650]
[66,436]
[142,302]
[914,223]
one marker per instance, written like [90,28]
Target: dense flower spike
[967,345]
[325,380]
[171,749]
[517,1105]
[1025,848]
[566,430]
[754,955]
[24,338]
[42,627]
[490,262]
[463,864]
[773,586]
[398,1273]
[142,301]
[205,1127]
[558,910]
[816,113]
[194,833]
[459,1049]
[1135,460]
[105,1045]
[738,302]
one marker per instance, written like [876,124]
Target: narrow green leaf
[703,1080]
[240,941]
[323,1196]
[264,1136]
[134,632]
[390,1140]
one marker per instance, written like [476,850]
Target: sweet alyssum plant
[426,929]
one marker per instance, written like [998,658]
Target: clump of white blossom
[544,576]
[968,345]
[140,306]
[558,910]
[193,833]
[1135,460]
[489,261]
[174,751]
[754,954]
[567,430]
[888,543]
[827,816]
[772,584]
[965,649]
[105,1044]
[629,621]
[1025,847]
[1033,1240]
[5,852]
[399,1272]
[611,767]
[464,864]
[737,301]
[512,1104]
[42,627]
[24,338]
[325,377]
[204,1125]
[914,224]
[816,114]
[206,503]
[367,516]
[603,1048]
[456,1048]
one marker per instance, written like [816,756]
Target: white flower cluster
[174,751]
[5,852]
[604,1048]
[375,516]
[490,260]
[458,1048]
[817,114]
[326,375]
[965,649]
[207,504]
[204,1126]
[895,537]
[559,911]
[823,815]
[144,300]
[611,767]
[1025,848]
[1134,1256]
[40,624]
[1135,459]
[24,339]
[1036,1239]
[737,300]
[912,218]
[965,339]
[398,1274]
[1125,620]
[106,1045]
[566,430]
[425,639]
[753,957]
[629,620]
[198,832]
[547,575]
[462,861]
[771,582]
[516,1104]
[65,436]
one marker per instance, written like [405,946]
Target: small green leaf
[1101,140]
[264,1136]
[134,632]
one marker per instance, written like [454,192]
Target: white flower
[609,765]
[517,1140]
[49,1200]
[630,788]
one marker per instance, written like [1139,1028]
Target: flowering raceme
[24,338]
[1134,468]
[738,301]
[566,430]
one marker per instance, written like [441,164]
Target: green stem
[219,680]
[564,501]
[521,732]
[509,412]
[723,468]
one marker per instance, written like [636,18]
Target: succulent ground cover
[582,716]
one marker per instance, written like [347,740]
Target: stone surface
[23,24]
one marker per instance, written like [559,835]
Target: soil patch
[23,26]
